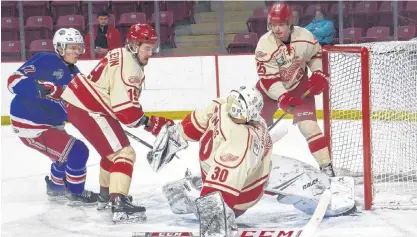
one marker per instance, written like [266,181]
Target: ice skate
[56,194]
[124,211]
[104,202]
[86,198]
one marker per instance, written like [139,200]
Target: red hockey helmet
[142,33]
[279,13]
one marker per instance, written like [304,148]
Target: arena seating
[192,28]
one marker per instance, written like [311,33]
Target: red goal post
[359,112]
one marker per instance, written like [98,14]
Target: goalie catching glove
[168,142]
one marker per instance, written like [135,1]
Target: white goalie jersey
[234,158]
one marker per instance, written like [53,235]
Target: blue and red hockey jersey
[30,115]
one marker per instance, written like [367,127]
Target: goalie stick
[307,231]
[317,217]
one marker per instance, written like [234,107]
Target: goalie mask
[245,103]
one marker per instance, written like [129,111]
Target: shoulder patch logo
[58,74]
[260,54]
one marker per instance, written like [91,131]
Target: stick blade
[317,217]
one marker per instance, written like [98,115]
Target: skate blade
[58,199]
[72,203]
[122,217]
[104,206]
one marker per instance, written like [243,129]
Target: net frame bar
[366,113]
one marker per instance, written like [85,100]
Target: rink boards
[174,86]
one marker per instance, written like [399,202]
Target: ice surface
[25,210]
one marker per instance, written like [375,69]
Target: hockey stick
[187,172]
[291,109]
[311,227]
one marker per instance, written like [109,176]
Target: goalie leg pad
[121,171]
[342,201]
[216,217]
[181,196]
[291,177]
[343,196]
[168,142]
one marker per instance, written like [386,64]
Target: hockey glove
[47,89]
[317,83]
[156,123]
[288,103]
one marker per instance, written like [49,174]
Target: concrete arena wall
[174,86]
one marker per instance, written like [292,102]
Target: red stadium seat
[350,35]
[334,13]
[8,9]
[310,12]
[37,46]
[98,6]
[9,28]
[257,23]
[410,10]
[379,33]
[38,27]
[148,7]
[10,50]
[129,19]
[363,15]
[35,8]
[121,7]
[184,11]
[243,43]
[64,8]
[166,21]
[406,32]
[71,21]
[385,13]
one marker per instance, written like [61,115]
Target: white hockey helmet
[66,36]
[245,103]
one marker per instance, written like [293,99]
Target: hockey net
[370,119]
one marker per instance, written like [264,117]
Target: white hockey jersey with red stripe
[234,158]
[112,88]
[281,67]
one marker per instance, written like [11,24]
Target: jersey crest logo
[280,61]
[228,157]
[58,74]
[28,69]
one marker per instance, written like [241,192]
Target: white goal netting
[393,123]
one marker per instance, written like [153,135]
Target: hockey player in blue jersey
[38,114]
